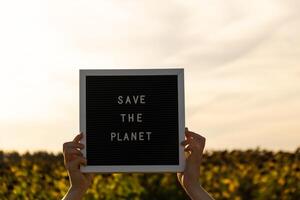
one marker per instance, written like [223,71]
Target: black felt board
[160,116]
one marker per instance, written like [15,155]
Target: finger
[193,153]
[185,142]
[80,160]
[199,145]
[78,137]
[190,141]
[194,135]
[75,164]
[68,157]
[70,151]
[191,134]
[194,145]
[72,145]
[187,153]
[188,148]
[179,176]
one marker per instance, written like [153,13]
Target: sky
[241,61]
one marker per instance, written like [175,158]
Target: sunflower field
[251,174]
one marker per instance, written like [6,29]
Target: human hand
[194,146]
[73,158]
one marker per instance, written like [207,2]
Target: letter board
[132,120]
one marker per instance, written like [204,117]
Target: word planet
[130,136]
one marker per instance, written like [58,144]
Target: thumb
[179,176]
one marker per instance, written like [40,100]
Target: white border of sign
[134,72]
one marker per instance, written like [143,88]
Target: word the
[131,117]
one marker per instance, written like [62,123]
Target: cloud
[196,33]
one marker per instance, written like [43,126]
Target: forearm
[73,194]
[199,193]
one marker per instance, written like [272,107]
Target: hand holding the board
[79,182]
[194,146]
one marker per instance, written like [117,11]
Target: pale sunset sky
[241,61]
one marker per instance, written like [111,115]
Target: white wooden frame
[181,119]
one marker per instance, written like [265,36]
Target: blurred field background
[242,75]
[252,174]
